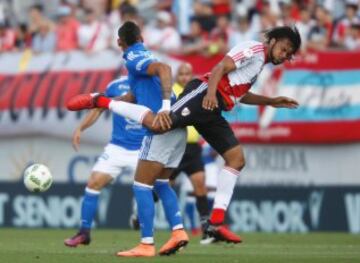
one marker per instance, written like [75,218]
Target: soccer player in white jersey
[205,98]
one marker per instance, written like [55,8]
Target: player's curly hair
[129,32]
[289,32]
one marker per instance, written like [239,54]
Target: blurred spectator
[162,36]
[197,42]
[184,12]
[320,34]
[221,7]
[7,38]
[99,6]
[219,36]
[23,37]
[164,5]
[66,31]
[242,32]
[124,12]
[36,18]
[345,23]
[304,26]
[45,39]
[128,13]
[76,7]
[204,25]
[203,13]
[268,18]
[352,37]
[289,12]
[94,35]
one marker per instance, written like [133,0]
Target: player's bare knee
[237,162]
[94,185]
[98,181]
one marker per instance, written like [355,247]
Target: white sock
[132,111]
[92,191]
[225,187]
[147,240]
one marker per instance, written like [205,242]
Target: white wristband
[166,105]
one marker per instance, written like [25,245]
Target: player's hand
[210,102]
[163,119]
[284,102]
[76,139]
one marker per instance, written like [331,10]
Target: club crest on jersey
[185,112]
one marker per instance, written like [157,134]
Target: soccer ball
[37,178]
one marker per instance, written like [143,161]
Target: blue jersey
[126,133]
[145,88]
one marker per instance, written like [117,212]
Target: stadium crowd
[204,27]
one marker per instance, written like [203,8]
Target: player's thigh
[99,180]
[166,149]
[186,110]
[114,159]
[218,133]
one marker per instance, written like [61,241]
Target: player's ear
[272,42]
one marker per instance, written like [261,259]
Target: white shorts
[114,159]
[167,149]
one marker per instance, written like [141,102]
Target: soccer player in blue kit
[150,86]
[122,151]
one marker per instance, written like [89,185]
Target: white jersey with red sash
[249,59]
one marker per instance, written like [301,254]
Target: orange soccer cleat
[142,250]
[179,239]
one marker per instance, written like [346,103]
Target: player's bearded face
[280,51]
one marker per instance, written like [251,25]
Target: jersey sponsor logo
[185,112]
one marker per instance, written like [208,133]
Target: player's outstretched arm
[277,102]
[88,121]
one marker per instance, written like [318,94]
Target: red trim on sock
[103,102]
[232,170]
[217,216]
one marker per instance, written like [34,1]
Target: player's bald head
[184,67]
[184,74]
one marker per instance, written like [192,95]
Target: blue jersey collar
[139,46]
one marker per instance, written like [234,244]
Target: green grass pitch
[46,246]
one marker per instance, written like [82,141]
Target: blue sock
[169,201]
[88,208]
[146,211]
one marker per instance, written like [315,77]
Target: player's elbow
[164,69]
